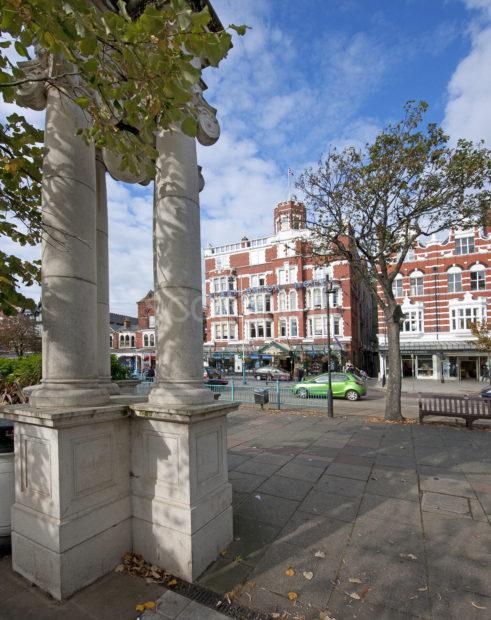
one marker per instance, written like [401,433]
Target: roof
[149,295]
[116,321]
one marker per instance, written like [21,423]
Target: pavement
[333,518]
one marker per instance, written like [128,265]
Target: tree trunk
[393,394]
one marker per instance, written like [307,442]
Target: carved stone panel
[162,458]
[208,455]
[35,465]
[93,464]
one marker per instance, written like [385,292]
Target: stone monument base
[182,500]
[94,483]
[71,520]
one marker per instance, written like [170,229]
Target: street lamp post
[330,409]
[249,307]
[437,325]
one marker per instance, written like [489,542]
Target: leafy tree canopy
[131,66]
[370,206]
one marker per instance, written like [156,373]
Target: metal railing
[279,395]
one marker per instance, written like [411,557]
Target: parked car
[211,376]
[344,385]
[270,373]
[486,393]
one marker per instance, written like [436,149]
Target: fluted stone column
[103,349]
[177,275]
[68,271]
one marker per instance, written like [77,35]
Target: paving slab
[455,604]
[288,488]
[345,470]
[386,580]
[334,506]
[391,509]
[267,508]
[322,533]
[244,482]
[301,472]
[438,502]
[340,486]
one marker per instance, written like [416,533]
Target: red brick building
[444,285]
[266,300]
[132,339]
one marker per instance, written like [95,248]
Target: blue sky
[310,74]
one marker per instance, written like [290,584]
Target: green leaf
[189,126]
[240,30]
[88,45]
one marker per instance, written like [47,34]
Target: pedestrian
[485,373]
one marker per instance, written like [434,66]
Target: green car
[344,385]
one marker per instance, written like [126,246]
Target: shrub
[118,370]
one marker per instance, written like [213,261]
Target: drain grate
[216,601]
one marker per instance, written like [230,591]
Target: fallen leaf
[354,596]
[423,589]
[354,580]
[308,574]
[408,556]
[150,605]
[172,582]
[223,552]
[292,596]
[477,606]
[320,554]
[257,496]
[140,608]
[289,572]
[119,568]
[324,615]
[364,592]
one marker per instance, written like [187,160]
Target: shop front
[452,361]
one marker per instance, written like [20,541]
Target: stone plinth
[71,520]
[182,500]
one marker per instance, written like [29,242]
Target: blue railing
[278,395]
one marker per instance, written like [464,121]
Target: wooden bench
[470,408]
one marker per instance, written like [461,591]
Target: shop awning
[435,347]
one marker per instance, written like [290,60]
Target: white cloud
[467,113]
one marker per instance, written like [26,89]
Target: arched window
[145,340]
[292,300]
[282,300]
[478,277]
[132,341]
[282,333]
[127,341]
[454,280]
[397,286]
[416,283]
[152,340]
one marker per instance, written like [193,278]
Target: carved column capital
[208,126]
[34,94]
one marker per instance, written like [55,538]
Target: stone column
[177,275]
[68,263]
[182,511]
[103,349]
